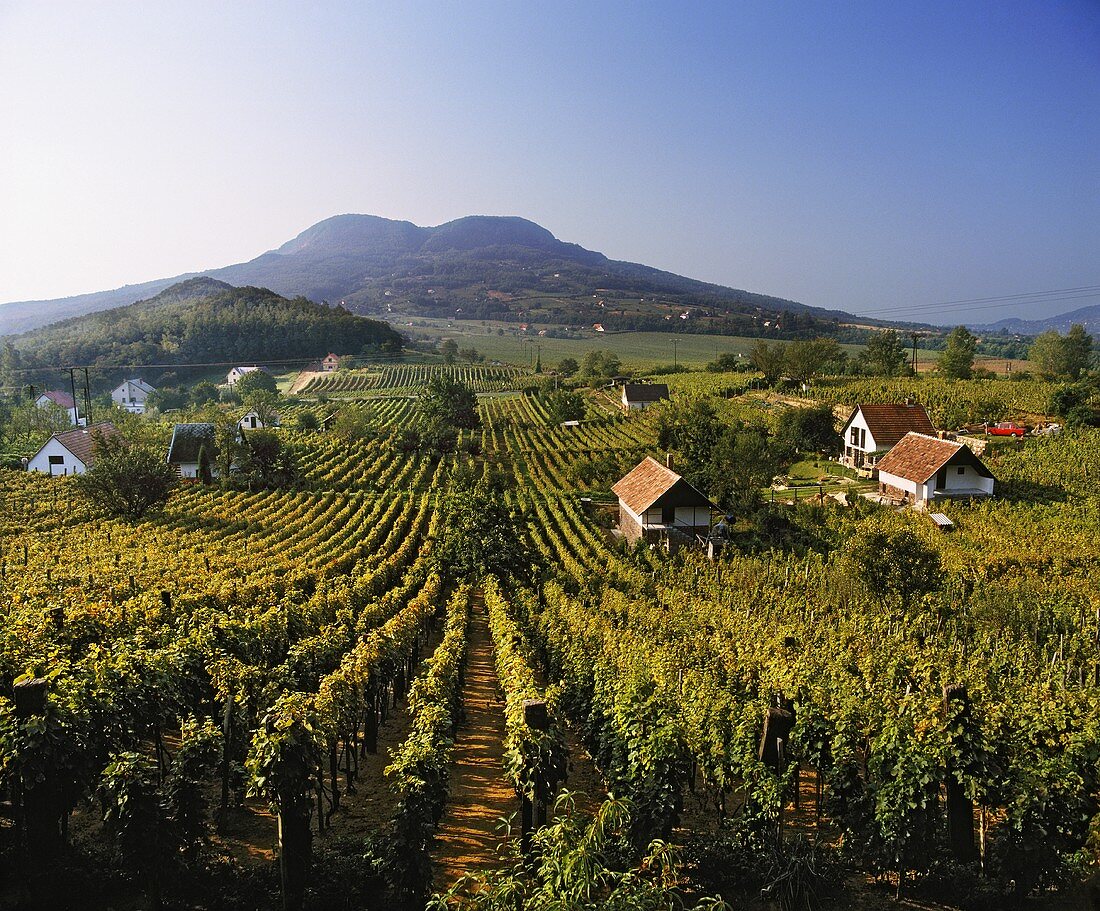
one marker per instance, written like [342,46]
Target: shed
[923,468]
[639,396]
[656,504]
[71,452]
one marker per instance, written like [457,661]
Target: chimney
[668,460]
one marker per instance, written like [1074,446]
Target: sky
[882,158]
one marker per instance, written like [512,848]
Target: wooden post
[960,809]
[227,744]
[41,802]
[537,717]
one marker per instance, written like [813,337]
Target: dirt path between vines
[480,795]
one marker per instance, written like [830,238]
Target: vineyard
[298,658]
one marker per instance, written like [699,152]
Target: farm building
[71,452]
[658,505]
[923,468]
[193,446]
[639,396]
[872,430]
[330,362]
[235,374]
[132,394]
[253,421]
[60,400]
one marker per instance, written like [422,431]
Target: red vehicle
[1006,429]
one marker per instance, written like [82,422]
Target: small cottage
[236,373]
[253,421]
[132,394]
[59,399]
[330,362]
[872,430]
[921,469]
[193,450]
[658,505]
[71,452]
[639,396]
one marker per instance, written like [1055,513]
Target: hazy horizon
[868,159]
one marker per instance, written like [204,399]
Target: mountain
[478,267]
[1089,317]
[203,320]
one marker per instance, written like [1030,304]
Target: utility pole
[675,358]
[87,400]
[72,385]
[916,335]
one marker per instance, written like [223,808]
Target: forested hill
[478,267]
[200,321]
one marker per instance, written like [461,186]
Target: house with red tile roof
[872,430]
[921,469]
[658,505]
[58,399]
[71,452]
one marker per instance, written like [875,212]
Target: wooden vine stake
[537,717]
[960,809]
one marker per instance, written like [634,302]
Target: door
[941,479]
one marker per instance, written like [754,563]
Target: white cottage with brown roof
[639,396]
[872,430]
[922,468]
[658,505]
[71,452]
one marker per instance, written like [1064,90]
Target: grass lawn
[810,471]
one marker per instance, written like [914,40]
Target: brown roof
[650,481]
[889,423]
[645,392]
[62,399]
[81,442]
[918,456]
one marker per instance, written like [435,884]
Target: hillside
[204,320]
[479,267]
[1089,317]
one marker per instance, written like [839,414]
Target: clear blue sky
[869,156]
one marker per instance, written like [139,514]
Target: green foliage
[568,366]
[691,428]
[125,481]
[307,421]
[742,463]
[598,366]
[803,360]
[449,349]
[448,403]
[565,405]
[1077,404]
[956,361]
[809,430]
[255,381]
[1058,357]
[770,360]
[885,354]
[482,536]
[895,565]
[354,422]
[263,462]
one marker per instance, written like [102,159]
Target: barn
[658,505]
[71,452]
[923,468]
[872,430]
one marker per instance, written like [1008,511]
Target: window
[57,460]
[962,469]
[668,515]
[855,436]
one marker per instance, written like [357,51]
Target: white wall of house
[964,477]
[55,459]
[858,439]
[695,516]
[958,478]
[187,469]
[130,397]
[250,421]
[918,491]
[74,413]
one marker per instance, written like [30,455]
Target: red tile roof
[62,399]
[81,441]
[918,457]
[889,423]
[650,481]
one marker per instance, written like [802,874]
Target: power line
[1052,295]
[112,367]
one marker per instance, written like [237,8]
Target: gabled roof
[81,441]
[62,399]
[919,456]
[889,423]
[140,384]
[187,440]
[644,392]
[652,484]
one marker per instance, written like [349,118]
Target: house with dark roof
[71,452]
[921,469]
[639,396]
[193,450]
[658,505]
[59,399]
[872,430]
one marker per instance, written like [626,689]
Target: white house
[656,504]
[253,421]
[235,374]
[639,396]
[60,400]
[922,468]
[872,430]
[192,445]
[71,452]
[131,395]
[330,362]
